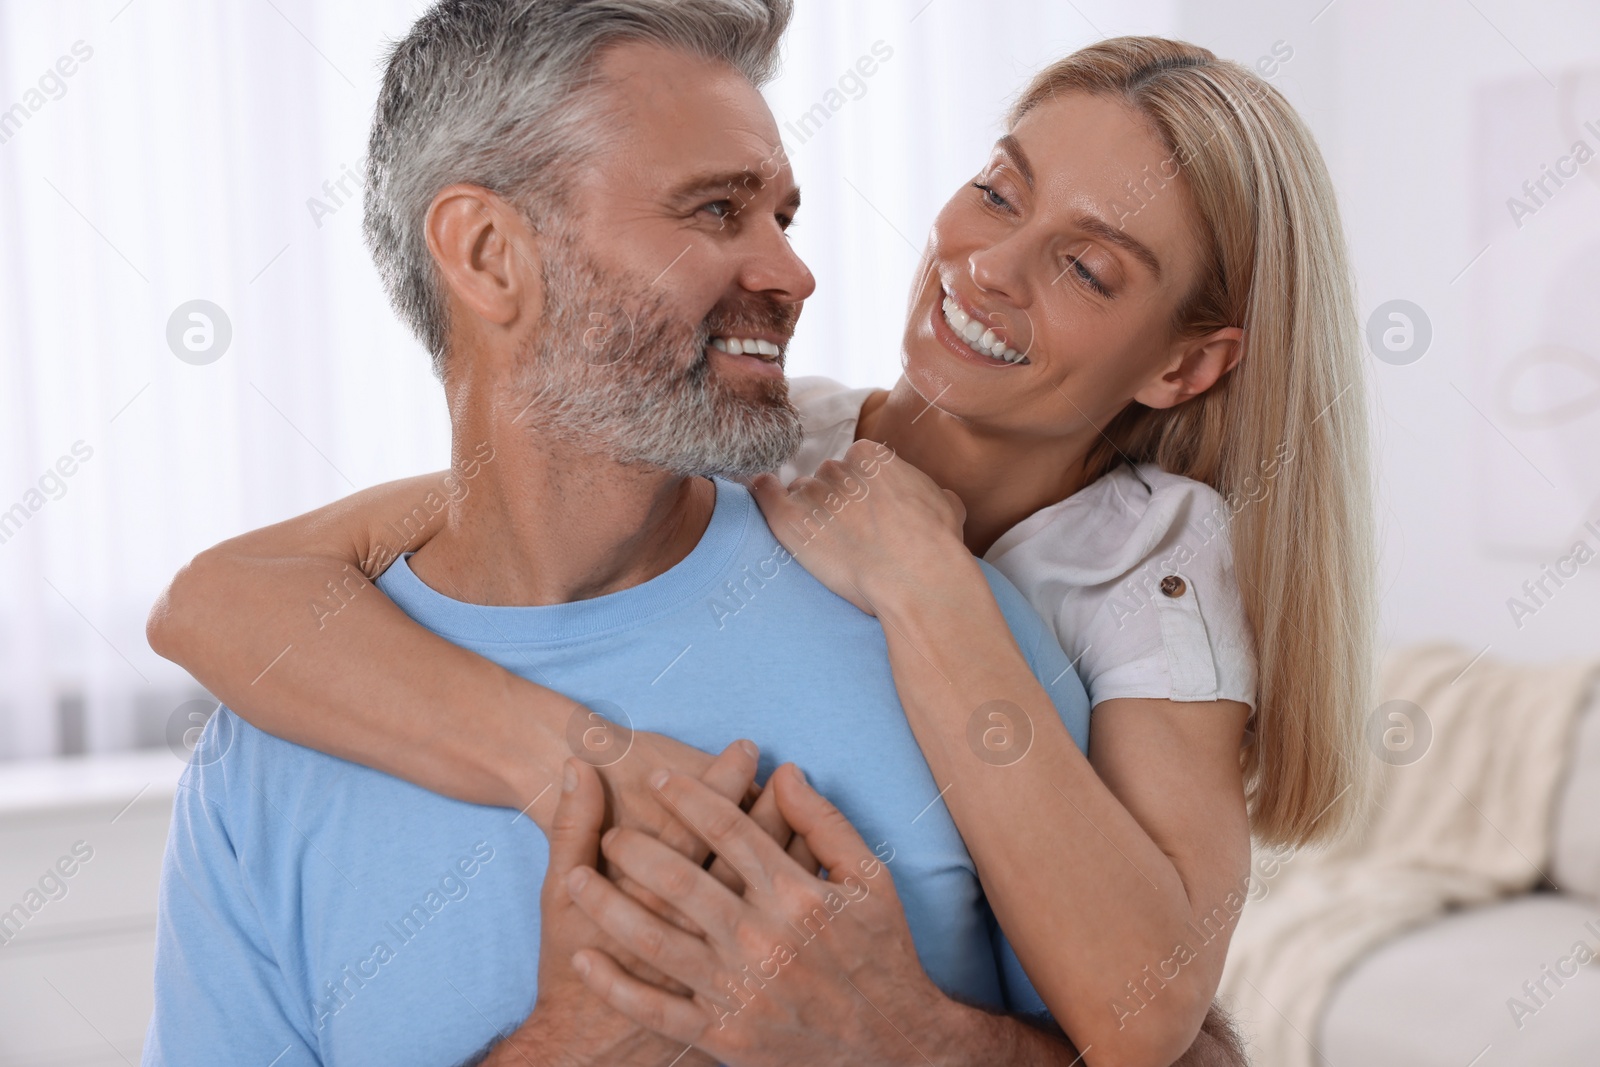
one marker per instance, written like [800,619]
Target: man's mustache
[753,315]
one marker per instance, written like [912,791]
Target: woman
[1125,358]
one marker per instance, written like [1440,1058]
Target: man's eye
[720,209]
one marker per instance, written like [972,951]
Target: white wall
[180,160]
[1475,500]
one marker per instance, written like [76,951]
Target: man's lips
[761,353]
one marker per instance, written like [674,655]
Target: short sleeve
[1174,629]
[1136,575]
[220,996]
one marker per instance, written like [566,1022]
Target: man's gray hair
[490,92]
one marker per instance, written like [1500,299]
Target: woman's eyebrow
[1090,224]
[1013,148]
[1099,227]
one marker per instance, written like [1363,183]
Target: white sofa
[1442,995]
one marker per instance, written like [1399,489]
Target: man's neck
[544,523]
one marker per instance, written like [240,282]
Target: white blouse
[1134,571]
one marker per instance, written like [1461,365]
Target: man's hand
[634,804]
[571,1027]
[798,970]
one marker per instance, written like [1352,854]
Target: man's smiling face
[693,192]
[672,290]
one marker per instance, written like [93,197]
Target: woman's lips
[947,337]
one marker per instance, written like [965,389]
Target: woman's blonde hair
[1283,436]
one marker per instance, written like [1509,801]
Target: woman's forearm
[283,626]
[1084,894]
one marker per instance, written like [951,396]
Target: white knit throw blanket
[1468,823]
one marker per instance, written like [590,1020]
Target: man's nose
[772,266]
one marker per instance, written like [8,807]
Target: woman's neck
[1001,479]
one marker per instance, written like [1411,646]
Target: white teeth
[747,346]
[980,340]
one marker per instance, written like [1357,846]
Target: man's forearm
[973,1037]
[545,1040]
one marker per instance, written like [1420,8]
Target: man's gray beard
[627,381]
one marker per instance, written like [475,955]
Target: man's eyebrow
[1098,227]
[725,181]
[1013,148]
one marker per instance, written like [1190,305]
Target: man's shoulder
[235,765]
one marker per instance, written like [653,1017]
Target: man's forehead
[676,115]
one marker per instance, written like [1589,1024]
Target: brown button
[1173,586]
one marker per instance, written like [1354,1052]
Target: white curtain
[155,153]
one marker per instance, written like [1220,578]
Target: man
[570,201]
[545,174]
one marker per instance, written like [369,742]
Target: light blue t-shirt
[314,911]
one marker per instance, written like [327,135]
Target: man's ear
[486,254]
[1195,366]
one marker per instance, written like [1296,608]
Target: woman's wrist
[939,582]
[532,762]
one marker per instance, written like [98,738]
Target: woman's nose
[997,270]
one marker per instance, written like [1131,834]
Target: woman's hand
[868,526]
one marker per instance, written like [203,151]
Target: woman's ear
[1196,365]
[486,254]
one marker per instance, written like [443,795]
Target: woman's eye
[1075,264]
[994,198]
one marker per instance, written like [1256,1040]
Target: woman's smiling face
[1076,276]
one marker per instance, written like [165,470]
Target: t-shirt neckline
[460,620]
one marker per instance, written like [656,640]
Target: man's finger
[731,775]
[801,853]
[834,842]
[656,904]
[765,814]
[580,812]
[671,1016]
[678,882]
[642,934]
[732,834]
